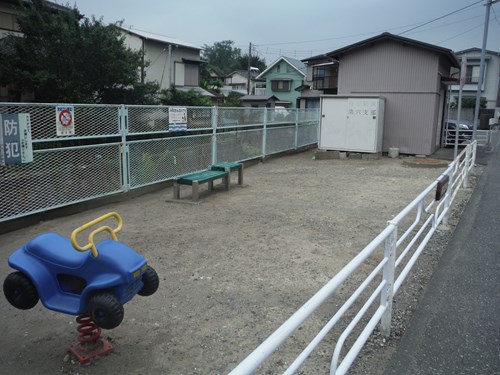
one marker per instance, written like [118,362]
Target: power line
[465,32]
[495,13]
[369,33]
[441,17]
[446,24]
[294,52]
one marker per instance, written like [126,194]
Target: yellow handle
[105,228]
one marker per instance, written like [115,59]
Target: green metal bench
[228,167]
[195,179]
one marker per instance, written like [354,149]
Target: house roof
[243,73]
[197,89]
[336,54]
[160,38]
[298,65]
[52,5]
[475,49]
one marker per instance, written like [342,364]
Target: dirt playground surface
[232,269]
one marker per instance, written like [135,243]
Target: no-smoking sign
[65,120]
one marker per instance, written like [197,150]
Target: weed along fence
[387,260]
[82,152]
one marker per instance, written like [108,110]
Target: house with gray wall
[411,75]
[490,89]
[168,61]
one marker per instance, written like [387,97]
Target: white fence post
[465,182]
[296,128]
[449,193]
[264,134]
[214,114]
[388,275]
[123,121]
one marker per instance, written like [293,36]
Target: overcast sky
[302,29]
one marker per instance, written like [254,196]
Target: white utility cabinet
[352,123]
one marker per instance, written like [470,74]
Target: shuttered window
[191,75]
[280,85]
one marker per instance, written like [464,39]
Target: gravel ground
[234,268]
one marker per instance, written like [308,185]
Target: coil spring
[88,331]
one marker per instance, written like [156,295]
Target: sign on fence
[177,119]
[65,120]
[15,139]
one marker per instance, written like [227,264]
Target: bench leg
[226,181]
[196,191]
[228,170]
[177,194]
[210,185]
[240,175]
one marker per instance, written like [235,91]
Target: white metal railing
[417,222]
[483,137]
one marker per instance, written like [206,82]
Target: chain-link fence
[114,148]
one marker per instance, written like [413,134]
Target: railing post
[123,121]
[449,193]
[465,182]
[264,134]
[388,275]
[296,128]
[215,115]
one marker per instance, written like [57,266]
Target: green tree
[64,57]
[207,81]
[233,100]
[241,63]
[221,56]
[173,96]
[470,103]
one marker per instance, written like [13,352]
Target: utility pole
[481,67]
[249,62]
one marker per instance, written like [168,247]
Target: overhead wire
[495,13]
[447,24]
[269,50]
[462,33]
[372,32]
[441,17]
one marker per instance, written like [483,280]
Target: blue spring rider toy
[93,281]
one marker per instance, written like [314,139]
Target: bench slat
[224,165]
[201,177]
[230,166]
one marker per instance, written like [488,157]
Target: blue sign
[15,139]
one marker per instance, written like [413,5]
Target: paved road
[456,328]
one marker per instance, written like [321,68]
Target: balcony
[325,82]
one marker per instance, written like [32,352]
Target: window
[325,76]
[472,74]
[191,75]
[280,85]
[278,68]
[8,22]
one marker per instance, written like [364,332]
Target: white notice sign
[65,120]
[177,119]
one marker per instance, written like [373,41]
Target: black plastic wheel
[106,310]
[151,282]
[20,291]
